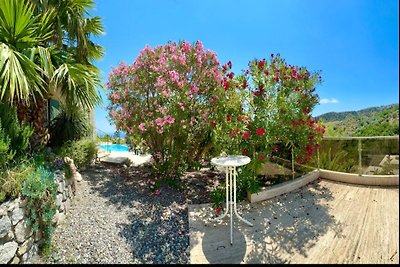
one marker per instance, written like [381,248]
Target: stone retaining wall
[18,243]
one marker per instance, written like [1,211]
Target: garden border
[350,178]
[279,189]
[364,179]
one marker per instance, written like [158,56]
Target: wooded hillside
[373,121]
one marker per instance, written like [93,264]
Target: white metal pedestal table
[230,163]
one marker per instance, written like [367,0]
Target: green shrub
[245,182]
[339,161]
[218,196]
[40,190]
[83,152]
[6,154]
[17,134]
[11,179]
[69,127]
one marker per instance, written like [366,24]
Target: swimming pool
[114,147]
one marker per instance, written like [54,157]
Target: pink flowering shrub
[172,97]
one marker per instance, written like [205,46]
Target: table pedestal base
[231,198]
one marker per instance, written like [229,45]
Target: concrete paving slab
[323,222]
[122,157]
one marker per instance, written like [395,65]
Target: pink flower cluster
[147,100]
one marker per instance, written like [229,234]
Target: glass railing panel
[338,155]
[380,156]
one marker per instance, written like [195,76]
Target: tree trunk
[23,113]
[35,115]
[41,135]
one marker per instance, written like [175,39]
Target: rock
[13,204]
[7,251]
[3,209]
[64,196]
[25,247]
[22,231]
[32,252]
[59,176]
[59,200]
[9,236]
[38,236]
[55,217]
[61,187]
[78,177]
[22,203]
[16,260]
[5,226]
[61,218]
[67,204]
[17,215]
[62,207]
[58,218]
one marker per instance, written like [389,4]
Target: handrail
[108,138]
[97,129]
[360,148]
[358,137]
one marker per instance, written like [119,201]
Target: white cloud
[328,100]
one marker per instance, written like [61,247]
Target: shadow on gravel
[122,186]
[292,224]
[159,231]
[283,226]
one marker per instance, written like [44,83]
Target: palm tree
[44,52]
[72,30]
[21,34]
[73,27]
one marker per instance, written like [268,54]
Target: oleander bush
[272,117]
[171,98]
[185,108]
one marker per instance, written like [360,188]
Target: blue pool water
[115,147]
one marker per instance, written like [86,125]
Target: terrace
[323,222]
[322,217]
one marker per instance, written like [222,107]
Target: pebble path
[117,219]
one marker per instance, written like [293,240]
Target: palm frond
[82,5]
[16,23]
[94,26]
[77,84]
[42,55]
[19,76]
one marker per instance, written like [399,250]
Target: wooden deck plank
[324,222]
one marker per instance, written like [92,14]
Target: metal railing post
[292,163]
[359,157]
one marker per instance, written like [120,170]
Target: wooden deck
[323,222]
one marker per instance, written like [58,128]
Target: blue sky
[354,43]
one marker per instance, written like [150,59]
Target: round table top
[230,161]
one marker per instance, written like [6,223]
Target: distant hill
[373,121]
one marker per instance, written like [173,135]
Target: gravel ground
[116,218]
